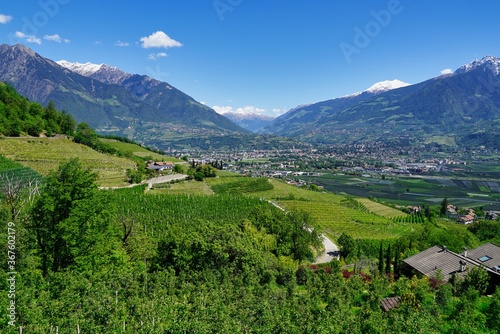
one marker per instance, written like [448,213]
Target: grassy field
[45,154]
[138,150]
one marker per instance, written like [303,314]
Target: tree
[68,218]
[18,192]
[478,279]
[397,260]
[388,260]
[444,207]
[199,176]
[178,169]
[347,245]
[67,123]
[381,259]
[85,134]
[492,313]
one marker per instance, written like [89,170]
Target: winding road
[331,250]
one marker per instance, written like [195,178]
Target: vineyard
[11,169]
[380,209]
[45,154]
[242,185]
[157,213]
[335,214]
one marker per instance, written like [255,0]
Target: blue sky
[260,55]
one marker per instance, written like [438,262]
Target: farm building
[160,166]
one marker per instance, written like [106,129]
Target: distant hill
[464,105]
[250,121]
[110,100]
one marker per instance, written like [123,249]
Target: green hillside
[130,261]
[137,150]
[335,214]
[45,154]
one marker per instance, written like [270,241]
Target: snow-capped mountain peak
[490,62]
[100,72]
[381,87]
[387,85]
[85,69]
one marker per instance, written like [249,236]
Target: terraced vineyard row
[155,213]
[333,214]
[380,209]
[10,169]
[337,219]
[243,185]
[45,154]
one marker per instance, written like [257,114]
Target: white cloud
[242,110]
[98,42]
[120,43]
[155,56]
[28,38]
[159,40]
[446,71]
[56,38]
[4,19]
[222,109]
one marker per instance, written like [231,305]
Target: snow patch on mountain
[101,72]
[385,86]
[86,69]
[489,62]
[381,87]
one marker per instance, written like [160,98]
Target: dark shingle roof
[435,259]
[389,303]
[490,250]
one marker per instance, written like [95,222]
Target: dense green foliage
[87,136]
[20,116]
[200,172]
[125,261]
[486,231]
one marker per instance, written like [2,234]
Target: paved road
[163,179]
[331,250]
[166,178]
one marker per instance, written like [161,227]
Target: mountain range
[461,108]
[109,99]
[249,121]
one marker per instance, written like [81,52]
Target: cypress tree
[381,259]
[388,260]
[397,260]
